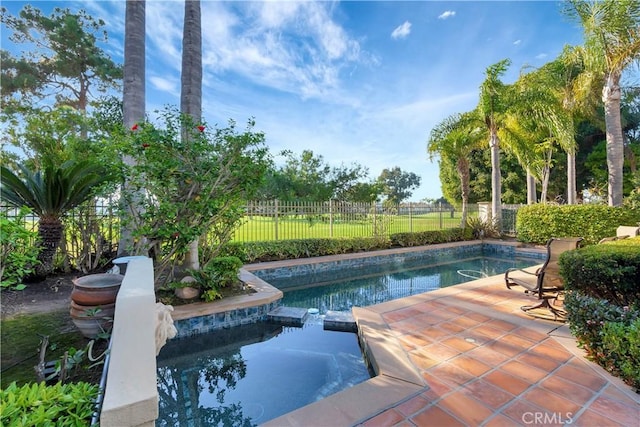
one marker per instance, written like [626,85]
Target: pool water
[251,374]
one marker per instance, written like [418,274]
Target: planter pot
[187,292]
[92,323]
[96,289]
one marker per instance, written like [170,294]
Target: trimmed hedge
[603,304]
[250,252]
[609,271]
[538,223]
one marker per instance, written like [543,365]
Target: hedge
[538,223]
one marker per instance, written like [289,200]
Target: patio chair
[622,232]
[545,281]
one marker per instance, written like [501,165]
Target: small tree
[51,193]
[191,186]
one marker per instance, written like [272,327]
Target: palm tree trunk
[133,100]
[49,234]
[615,140]
[571,179]
[531,188]
[496,182]
[191,86]
[463,173]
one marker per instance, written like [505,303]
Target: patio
[467,355]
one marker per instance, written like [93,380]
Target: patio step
[290,316]
[342,321]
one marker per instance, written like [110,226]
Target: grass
[21,341]
[301,227]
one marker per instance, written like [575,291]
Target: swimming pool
[250,374]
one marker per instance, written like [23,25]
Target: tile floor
[487,363]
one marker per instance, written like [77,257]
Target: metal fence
[96,226]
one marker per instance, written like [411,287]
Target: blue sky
[353,81]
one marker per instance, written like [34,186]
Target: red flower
[201,128]
[176,235]
[134,127]
[145,145]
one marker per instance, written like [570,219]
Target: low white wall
[131,395]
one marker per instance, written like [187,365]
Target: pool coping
[397,378]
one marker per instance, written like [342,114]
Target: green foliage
[427,237]
[621,344]
[18,254]
[250,252]
[189,180]
[38,404]
[538,223]
[218,273]
[608,332]
[397,184]
[607,271]
[60,54]
[481,229]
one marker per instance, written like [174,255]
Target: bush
[427,237]
[38,404]
[608,333]
[218,273]
[607,271]
[250,252]
[18,254]
[538,223]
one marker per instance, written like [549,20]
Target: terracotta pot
[92,325]
[96,289]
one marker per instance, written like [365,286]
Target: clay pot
[91,324]
[96,289]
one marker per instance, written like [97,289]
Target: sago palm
[50,194]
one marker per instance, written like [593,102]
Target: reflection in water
[221,383]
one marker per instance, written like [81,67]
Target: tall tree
[456,137]
[191,87]
[61,59]
[492,108]
[398,185]
[612,41]
[133,102]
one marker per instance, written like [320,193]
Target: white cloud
[447,14]
[517,42]
[164,84]
[541,56]
[401,31]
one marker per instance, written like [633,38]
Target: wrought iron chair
[545,281]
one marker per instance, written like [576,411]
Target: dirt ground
[52,294]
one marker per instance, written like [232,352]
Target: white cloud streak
[401,31]
[447,14]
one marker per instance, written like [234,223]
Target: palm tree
[50,194]
[455,138]
[492,108]
[191,86]
[612,42]
[133,98]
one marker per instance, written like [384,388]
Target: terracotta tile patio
[483,362]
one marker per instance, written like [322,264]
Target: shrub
[607,271]
[38,404]
[250,252]
[218,273]
[427,237]
[538,223]
[18,254]
[621,344]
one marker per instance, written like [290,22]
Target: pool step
[290,316]
[342,321]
